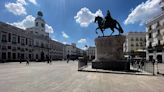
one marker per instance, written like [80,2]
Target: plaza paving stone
[64,77]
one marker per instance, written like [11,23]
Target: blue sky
[71,20]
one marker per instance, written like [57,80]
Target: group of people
[49,61]
[27,61]
[139,64]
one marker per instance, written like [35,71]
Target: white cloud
[84,17]
[82,40]
[84,48]
[143,12]
[54,39]
[16,8]
[22,2]
[33,1]
[25,23]
[49,29]
[29,22]
[64,35]
[64,42]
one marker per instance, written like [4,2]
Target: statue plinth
[109,53]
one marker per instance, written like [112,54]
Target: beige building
[91,53]
[33,43]
[73,51]
[135,43]
[56,50]
[155,38]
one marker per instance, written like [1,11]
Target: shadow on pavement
[131,72]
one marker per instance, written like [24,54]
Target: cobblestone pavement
[63,77]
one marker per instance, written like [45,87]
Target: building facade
[91,53]
[56,50]
[73,51]
[32,44]
[135,44]
[155,38]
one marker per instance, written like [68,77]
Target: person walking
[20,60]
[68,57]
[153,62]
[27,61]
[47,58]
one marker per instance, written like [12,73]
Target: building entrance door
[42,56]
[159,58]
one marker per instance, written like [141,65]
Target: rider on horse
[108,16]
[108,22]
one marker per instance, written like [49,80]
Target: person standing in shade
[27,61]
[68,57]
[20,60]
[153,62]
[50,60]
[47,58]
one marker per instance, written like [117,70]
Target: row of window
[21,56]
[158,34]
[15,48]
[16,39]
[37,24]
[137,45]
[157,25]
[137,39]
[14,56]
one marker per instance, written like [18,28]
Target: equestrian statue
[107,22]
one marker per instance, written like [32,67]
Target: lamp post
[49,47]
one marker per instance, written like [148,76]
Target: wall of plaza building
[18,44]
[155,38]
[91,53]
[73,51]
[135,44]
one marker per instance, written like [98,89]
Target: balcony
[159,47]
[4,48]
[4,41]
[149,29]
[14,42]
[158,25]
[150,49]
[159,36]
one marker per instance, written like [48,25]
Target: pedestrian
[47,58]
[68,57]
[50,60]
[153,62]
[20,60]
[142,64]
[27,61]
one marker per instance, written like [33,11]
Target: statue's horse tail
[120,28]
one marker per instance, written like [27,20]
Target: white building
[33,43]
[91,53]
[155,38]
[73,51]
[135,42]
[56,50]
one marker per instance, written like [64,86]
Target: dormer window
[42,25]
[149,28]
[158,24]
[36,24]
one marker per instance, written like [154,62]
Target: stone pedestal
[109,53]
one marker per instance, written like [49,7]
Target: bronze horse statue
[108,22]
